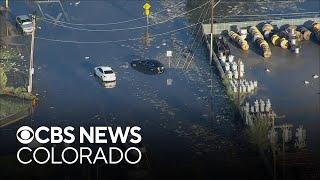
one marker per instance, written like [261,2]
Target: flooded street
[189,125]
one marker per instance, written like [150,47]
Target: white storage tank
[230,58]
[241,66]
[234,66]
[227,66]
[268,106]
[251,85]
[247,107]
[236,74]
[255,83]
[235,89]
[262,105]
[256,106]
[248,88]
[241,74]
[223,59]
[244,88]
[229,74]
[252,109]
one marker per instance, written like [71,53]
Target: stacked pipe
[283,41]
[316,30]
[259,39]
[267,30]
[241,42]
[306,34]
[275,40]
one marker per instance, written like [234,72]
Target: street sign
[146,8]
[169,53]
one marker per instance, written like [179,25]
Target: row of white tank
[243,86]
[231,68]
[258,106]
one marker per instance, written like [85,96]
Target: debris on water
[125,66]
[306,82]
[315,76]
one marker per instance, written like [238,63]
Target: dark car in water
[148,66]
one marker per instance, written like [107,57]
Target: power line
[125,29]
[111,23]
[116,41]
[262,15]
[194,41]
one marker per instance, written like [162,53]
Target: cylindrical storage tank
[236,74]
[244,89]
[293,41]
[227,66]
[247,107]
[268,106]
[262,105]
[252,109]
[248,88]
[234,66]
[241,66]
[241,73]
[223,58]
[255,83]
[221,55]
[291,30]
[256,106]
[252,85]
[229,74]
[235,89]
[243,31]
[231,58]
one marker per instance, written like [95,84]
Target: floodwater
[189,127]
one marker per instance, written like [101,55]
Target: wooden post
[211,32]
[31,69]
[7,4]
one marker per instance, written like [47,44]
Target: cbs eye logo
[25,134]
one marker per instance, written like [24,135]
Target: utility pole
[211,32]
[239,81]
[7,4]
[31,69]
[146,39]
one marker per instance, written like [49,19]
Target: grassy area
[8,58]
[9,106]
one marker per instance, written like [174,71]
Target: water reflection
[109,85]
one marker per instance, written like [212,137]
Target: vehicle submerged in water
[149,66]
